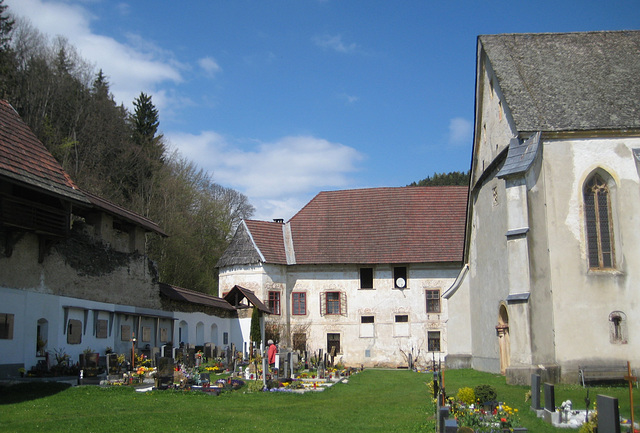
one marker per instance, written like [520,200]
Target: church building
[552,264]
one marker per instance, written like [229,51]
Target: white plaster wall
[389,339]
[590,296]
[459,346]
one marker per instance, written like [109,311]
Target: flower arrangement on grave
[143,360]
[479,418]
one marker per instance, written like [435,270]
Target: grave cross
[631,379]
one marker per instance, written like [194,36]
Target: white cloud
[131,67]
[209,65]
[278,177]
[334,43]
[460,131]
[349,99]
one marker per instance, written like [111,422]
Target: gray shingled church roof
[568,81]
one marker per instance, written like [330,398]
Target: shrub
[485,393]
[466,395]
[255,385]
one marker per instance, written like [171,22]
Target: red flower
[503,419]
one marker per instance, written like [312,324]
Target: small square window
[366,278]
[400,277]
[433,301]
[366,319]
[402,318]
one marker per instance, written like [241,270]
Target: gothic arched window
[599,230]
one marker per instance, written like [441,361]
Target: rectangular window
[433,344]
[274,302]
[333,303]
[433,301]
[333,344]
[400,277]
[401,326]
[366,278]
[6,326]
[367,327]
[299,303]
[225,338]
[102,328]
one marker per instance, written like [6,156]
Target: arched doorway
[502,330]
[183,332]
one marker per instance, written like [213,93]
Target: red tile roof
[269,238]
[368,226]
[24,159]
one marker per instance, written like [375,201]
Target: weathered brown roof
[568,81]
[269,238]
[179,294]
[118,211]
[364,226]
[25,160]
[238,293]
[382,225]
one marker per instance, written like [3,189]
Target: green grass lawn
[374,400]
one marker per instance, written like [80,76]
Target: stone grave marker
[443,414]
[608,414]
[191,356]
[535,392]
[165,372]
[550,414]
[208,350]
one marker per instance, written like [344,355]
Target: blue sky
[284,99]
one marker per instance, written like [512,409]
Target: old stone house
[357,273]
[551,248]
[74,273]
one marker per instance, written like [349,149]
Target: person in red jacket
[272,353]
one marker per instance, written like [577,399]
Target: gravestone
[191,356]
[164,375]
[608,414]
[549,397]
[450,425]
[550,414]
[443,414]
[535,392]
[208,350]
